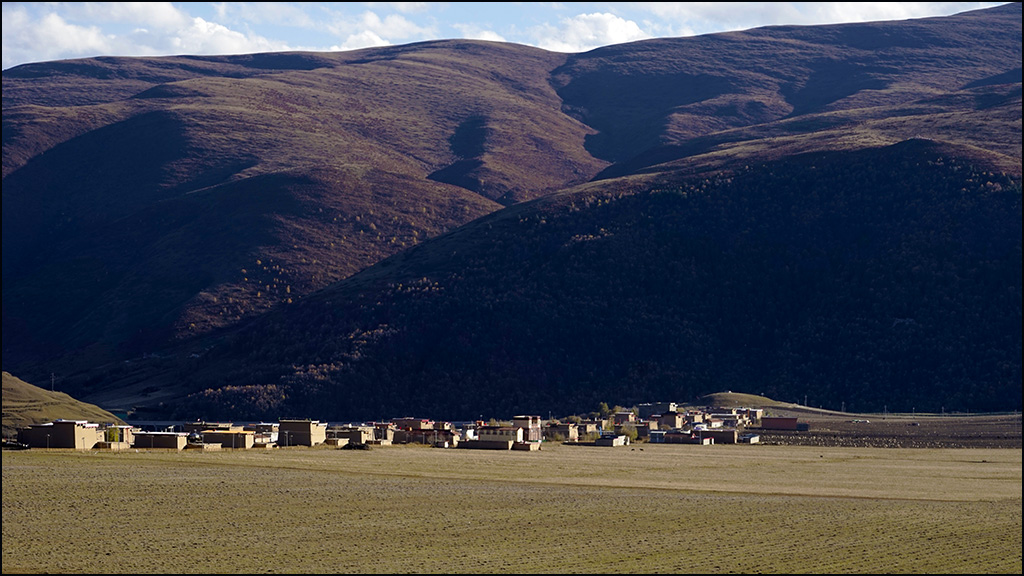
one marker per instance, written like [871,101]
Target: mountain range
[458,228]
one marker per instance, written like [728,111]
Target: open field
[569,509]
[828,428]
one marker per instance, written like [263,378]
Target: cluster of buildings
[667,423]
[655,423]
[524,433]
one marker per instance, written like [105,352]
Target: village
[663,422]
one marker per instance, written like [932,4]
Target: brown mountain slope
[25,404]
[148,201]
[882,277]
[788,89]
[238,184]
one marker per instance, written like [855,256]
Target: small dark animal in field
[356,446]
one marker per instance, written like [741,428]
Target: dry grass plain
[564,509]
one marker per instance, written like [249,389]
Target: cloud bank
[41,31]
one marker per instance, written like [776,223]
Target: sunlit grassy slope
[25,404]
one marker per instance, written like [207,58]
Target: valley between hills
[461,227]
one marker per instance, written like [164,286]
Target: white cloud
[474,32]
[37,31]
[369,29]
[586,32]
[159,15]
[144,29]
[294,14]
[202,37]
[394,26]
[403,7]
[364,39]
[47,38]
[830,12]
[689,18]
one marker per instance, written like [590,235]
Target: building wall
[624,417]
[531,426]
[162,440]
[67,434]
[671,438]
[567,431]
[671,420]
[487,444]
[360,435]
[721,436]
[384,432]
[527,446]
[778,423]
[609,440]
[301,433]
[426,436]
[500,433]
[238,439]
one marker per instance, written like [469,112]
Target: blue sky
[41,31]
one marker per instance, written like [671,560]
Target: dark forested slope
[882,278]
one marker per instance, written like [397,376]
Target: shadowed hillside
[154,207]
[883,277]
[181,195]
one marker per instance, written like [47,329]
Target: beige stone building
[671,420]
[626,417]
[341,435]
[531,426]
[301,433]
[68,434]
[233,438]
[266,433]
[557,431]
[495,438]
